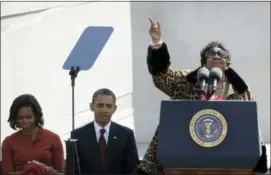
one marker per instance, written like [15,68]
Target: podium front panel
[240,148]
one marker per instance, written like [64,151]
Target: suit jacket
[121,156]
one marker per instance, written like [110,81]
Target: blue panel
[88,47]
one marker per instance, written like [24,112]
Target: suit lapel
[92,134]
[112,141]
[94,149]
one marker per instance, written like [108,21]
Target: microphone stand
[71,146]
[207,90]
[209,94]
[212,83]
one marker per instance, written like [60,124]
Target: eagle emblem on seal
[208,128]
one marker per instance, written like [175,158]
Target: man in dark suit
[105,147]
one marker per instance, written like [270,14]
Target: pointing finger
[151,20]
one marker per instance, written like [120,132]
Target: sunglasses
[216,52]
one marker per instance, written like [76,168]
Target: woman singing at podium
[182,84]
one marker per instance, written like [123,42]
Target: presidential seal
[208,128]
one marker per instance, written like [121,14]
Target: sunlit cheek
[111,111]
[32,121]
[20,122]
[223,64]
[96,110]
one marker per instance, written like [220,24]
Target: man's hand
[155,31]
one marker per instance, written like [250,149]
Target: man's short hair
[103,91]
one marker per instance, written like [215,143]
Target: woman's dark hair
[210,46]
[25,100]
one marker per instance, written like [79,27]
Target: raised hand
[155,30]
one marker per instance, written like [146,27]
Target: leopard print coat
[180,84]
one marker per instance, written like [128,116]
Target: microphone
[203,75]
[214,77]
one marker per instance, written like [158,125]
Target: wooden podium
[208,137]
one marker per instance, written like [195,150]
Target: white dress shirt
[159,43]
[98,133]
